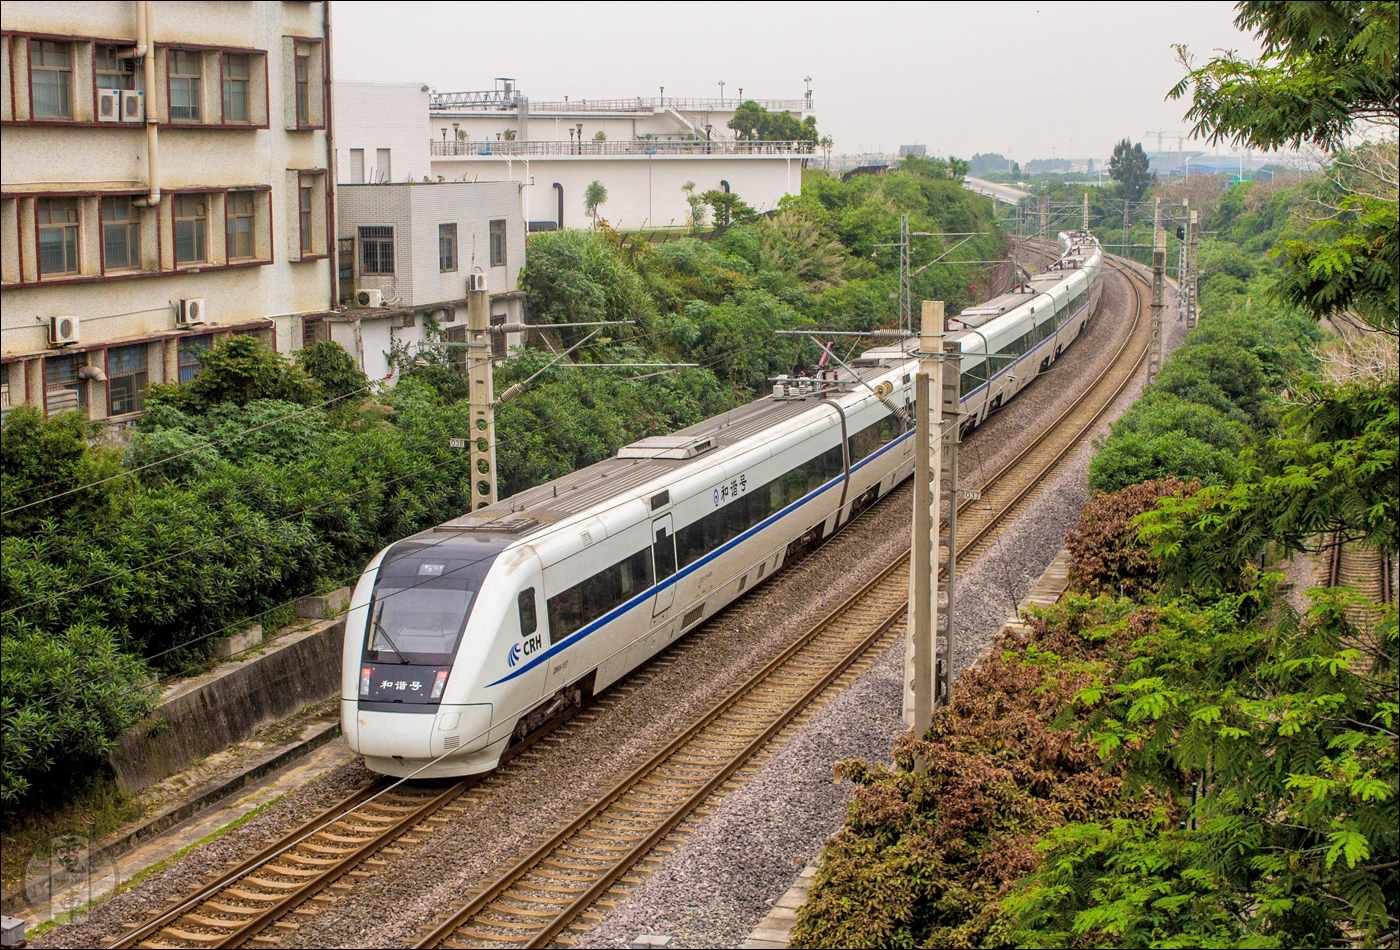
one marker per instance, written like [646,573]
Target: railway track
[536,898]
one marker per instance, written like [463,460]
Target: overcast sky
[1035,78]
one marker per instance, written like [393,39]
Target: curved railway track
[537,897]
[534,899]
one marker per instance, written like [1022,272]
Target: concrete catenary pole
[919,656]
[946,524]
[1044,217]
[481,396]
[928,657]
[1193,227]
[1159,267]
[1085,225]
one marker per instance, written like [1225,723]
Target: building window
[58,236]
[191,223]
[237,74]
[304,218]
[382,171]
[357,166]
[113,72]
[456,355]
[313,331]
[498,243]
[191,351]
[240,226]
[126,379]
[51,79]
[4,387]
[121,234]
[447,247]
[303,84]
[185,70]
[376,250]
[63,389]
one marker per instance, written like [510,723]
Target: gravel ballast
[721,881]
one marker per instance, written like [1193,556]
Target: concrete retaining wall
[200,716]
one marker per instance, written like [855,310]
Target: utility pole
[1085,225]
[1043,215]
[1192,276]
[1181,263]
[481,396]
[906,300]
[1125,227]
[1157,217]
[932,569]
[1159,267]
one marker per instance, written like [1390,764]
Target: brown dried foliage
[924,858]
[1105,553]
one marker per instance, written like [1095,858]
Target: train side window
[528,621]
[664,551]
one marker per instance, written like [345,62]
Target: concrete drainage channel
[210,737]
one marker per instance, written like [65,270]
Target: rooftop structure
[643,150]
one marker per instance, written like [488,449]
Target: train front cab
[409,661]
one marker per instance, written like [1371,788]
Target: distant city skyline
[919,75]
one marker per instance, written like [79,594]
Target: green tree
[40,458]
[64,699]
[332,368]
[1326,70]
[238,369]
[728,208]
[1129,167]
[594,197]
[696,204]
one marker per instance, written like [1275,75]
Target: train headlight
[438,685]
[365,675]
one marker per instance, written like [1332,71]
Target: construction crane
[1180,141]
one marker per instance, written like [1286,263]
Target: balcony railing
[496,100]
[504,149]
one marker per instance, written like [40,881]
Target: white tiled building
[166,179]
[415,249]
[643,150]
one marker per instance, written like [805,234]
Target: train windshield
[422,599]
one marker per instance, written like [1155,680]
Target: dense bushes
[64,697]
[1218,393]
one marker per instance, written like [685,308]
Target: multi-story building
[417,249]
[167,179]
[643,150]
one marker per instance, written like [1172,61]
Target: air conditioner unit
[191,311]
[109,105]
[369,298]
[63,330]
[476,282]
[133,106]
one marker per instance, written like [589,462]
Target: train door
[663,551]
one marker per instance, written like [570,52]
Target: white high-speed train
[468,635]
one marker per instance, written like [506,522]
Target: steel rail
[894,575]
